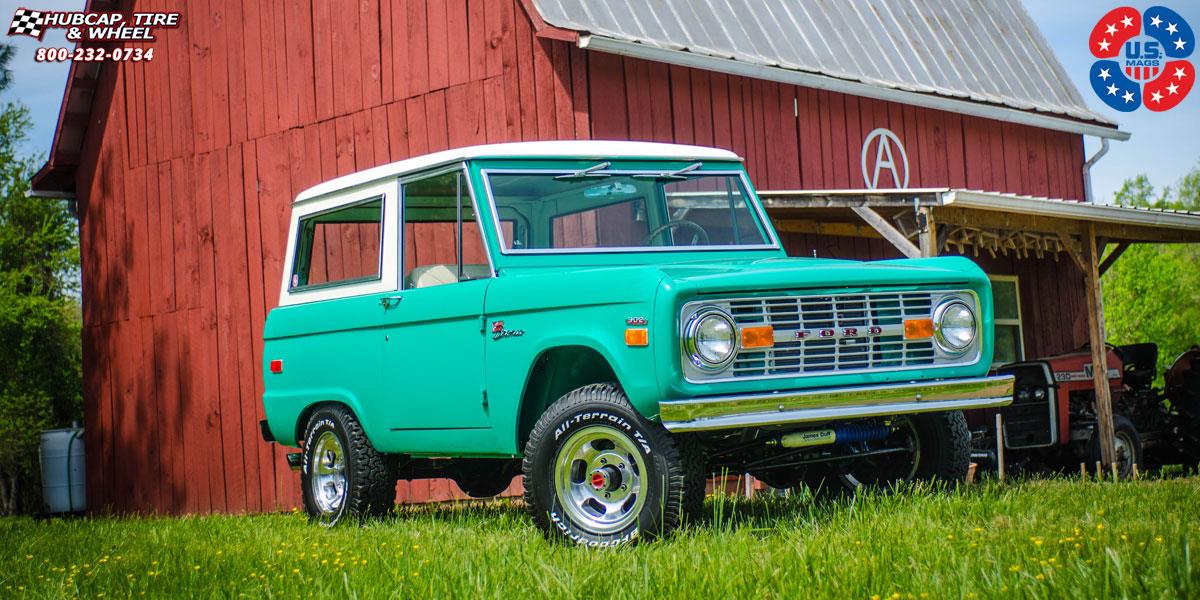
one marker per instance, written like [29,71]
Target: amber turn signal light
[758,337]
[636,336]
[918,329]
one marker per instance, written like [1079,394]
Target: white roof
[573,149]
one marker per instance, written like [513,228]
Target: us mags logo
[1142,59]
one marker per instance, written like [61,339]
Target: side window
[1006,296]
[339,246]
[442,240]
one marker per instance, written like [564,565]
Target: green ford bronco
[614,321]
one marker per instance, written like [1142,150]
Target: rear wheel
[597,473]
[342,476]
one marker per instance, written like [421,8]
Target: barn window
[1006,296]
[339,246]
[442,241]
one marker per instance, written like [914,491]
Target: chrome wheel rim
[328,477]
[874,473]
[600,479]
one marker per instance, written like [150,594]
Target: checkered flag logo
[27,22]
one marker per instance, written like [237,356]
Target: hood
[800,273]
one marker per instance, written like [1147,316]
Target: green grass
[1052,538]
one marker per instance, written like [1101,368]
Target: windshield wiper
[678,175]
[589,172]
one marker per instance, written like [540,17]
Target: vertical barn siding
[186,185]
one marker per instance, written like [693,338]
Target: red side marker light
[277,366]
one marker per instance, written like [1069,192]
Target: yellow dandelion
[950,536]
[295,571]
[895,595]
[1099,526]
[1041,577]
[1124,537]
[1015,568]
[874,596]
[1158,538]
[1037,543]
[978,530]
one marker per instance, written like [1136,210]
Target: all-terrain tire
[691,452]
[602,411]
[370,476]
[945,455]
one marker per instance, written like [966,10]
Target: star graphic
[1104,74]
[1179,74]
[1172,89]
[1112,89]
[1155,21]
[1127,96]
[1111,29]
[1127,21]
[1179,43]
[1104,45]
[1157,97]
[1171,28]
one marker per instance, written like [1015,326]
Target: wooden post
[1083,471]
[1095,310]
[1000,447]
[928,236]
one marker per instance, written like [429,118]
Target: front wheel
[597,473]
[920,447]
[1126,443]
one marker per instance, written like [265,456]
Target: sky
[1164,146]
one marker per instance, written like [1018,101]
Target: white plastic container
[63,481]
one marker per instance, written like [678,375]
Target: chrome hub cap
[328,477]
[599,477]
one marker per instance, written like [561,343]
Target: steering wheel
[700,236]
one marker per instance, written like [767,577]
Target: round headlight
[711,339]
[955,324]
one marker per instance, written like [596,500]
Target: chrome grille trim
[865,334]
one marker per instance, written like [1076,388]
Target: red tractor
[1052,425]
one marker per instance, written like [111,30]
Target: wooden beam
[928,235]
[1113,256]
[888,232]
[1095,310]
[1074,250]
[786,225]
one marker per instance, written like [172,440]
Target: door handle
[390,302]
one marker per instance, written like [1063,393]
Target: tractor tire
[598,473]
[342,476]
[1128,446]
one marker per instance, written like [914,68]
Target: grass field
[1035,539]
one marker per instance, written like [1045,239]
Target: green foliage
[40,376]
[1152,293]
[1036,539]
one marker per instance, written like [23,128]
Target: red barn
[184,168]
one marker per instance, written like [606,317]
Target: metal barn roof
[984,51]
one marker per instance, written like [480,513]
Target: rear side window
[340,246]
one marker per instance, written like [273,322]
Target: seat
[441,274]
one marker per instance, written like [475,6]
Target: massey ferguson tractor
[1052,425]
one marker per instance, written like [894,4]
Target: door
[434,326]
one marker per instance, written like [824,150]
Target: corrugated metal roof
[987,51]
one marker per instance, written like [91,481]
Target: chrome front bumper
[807,406]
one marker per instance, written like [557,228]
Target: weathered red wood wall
[188,175]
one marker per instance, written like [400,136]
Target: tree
[7,52]
[1152,293]
[40,375]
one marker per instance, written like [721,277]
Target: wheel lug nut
[604,461]
[623,486]
[607,495]
[622,465]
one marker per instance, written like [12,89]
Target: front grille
[868,349]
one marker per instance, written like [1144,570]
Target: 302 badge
[92,54]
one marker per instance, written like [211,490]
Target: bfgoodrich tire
[939,447]
[342,476]
[599,474]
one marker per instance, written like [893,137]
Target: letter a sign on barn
[880,152]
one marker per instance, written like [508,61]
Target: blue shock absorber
[852,434]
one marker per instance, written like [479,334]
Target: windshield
[593,209]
